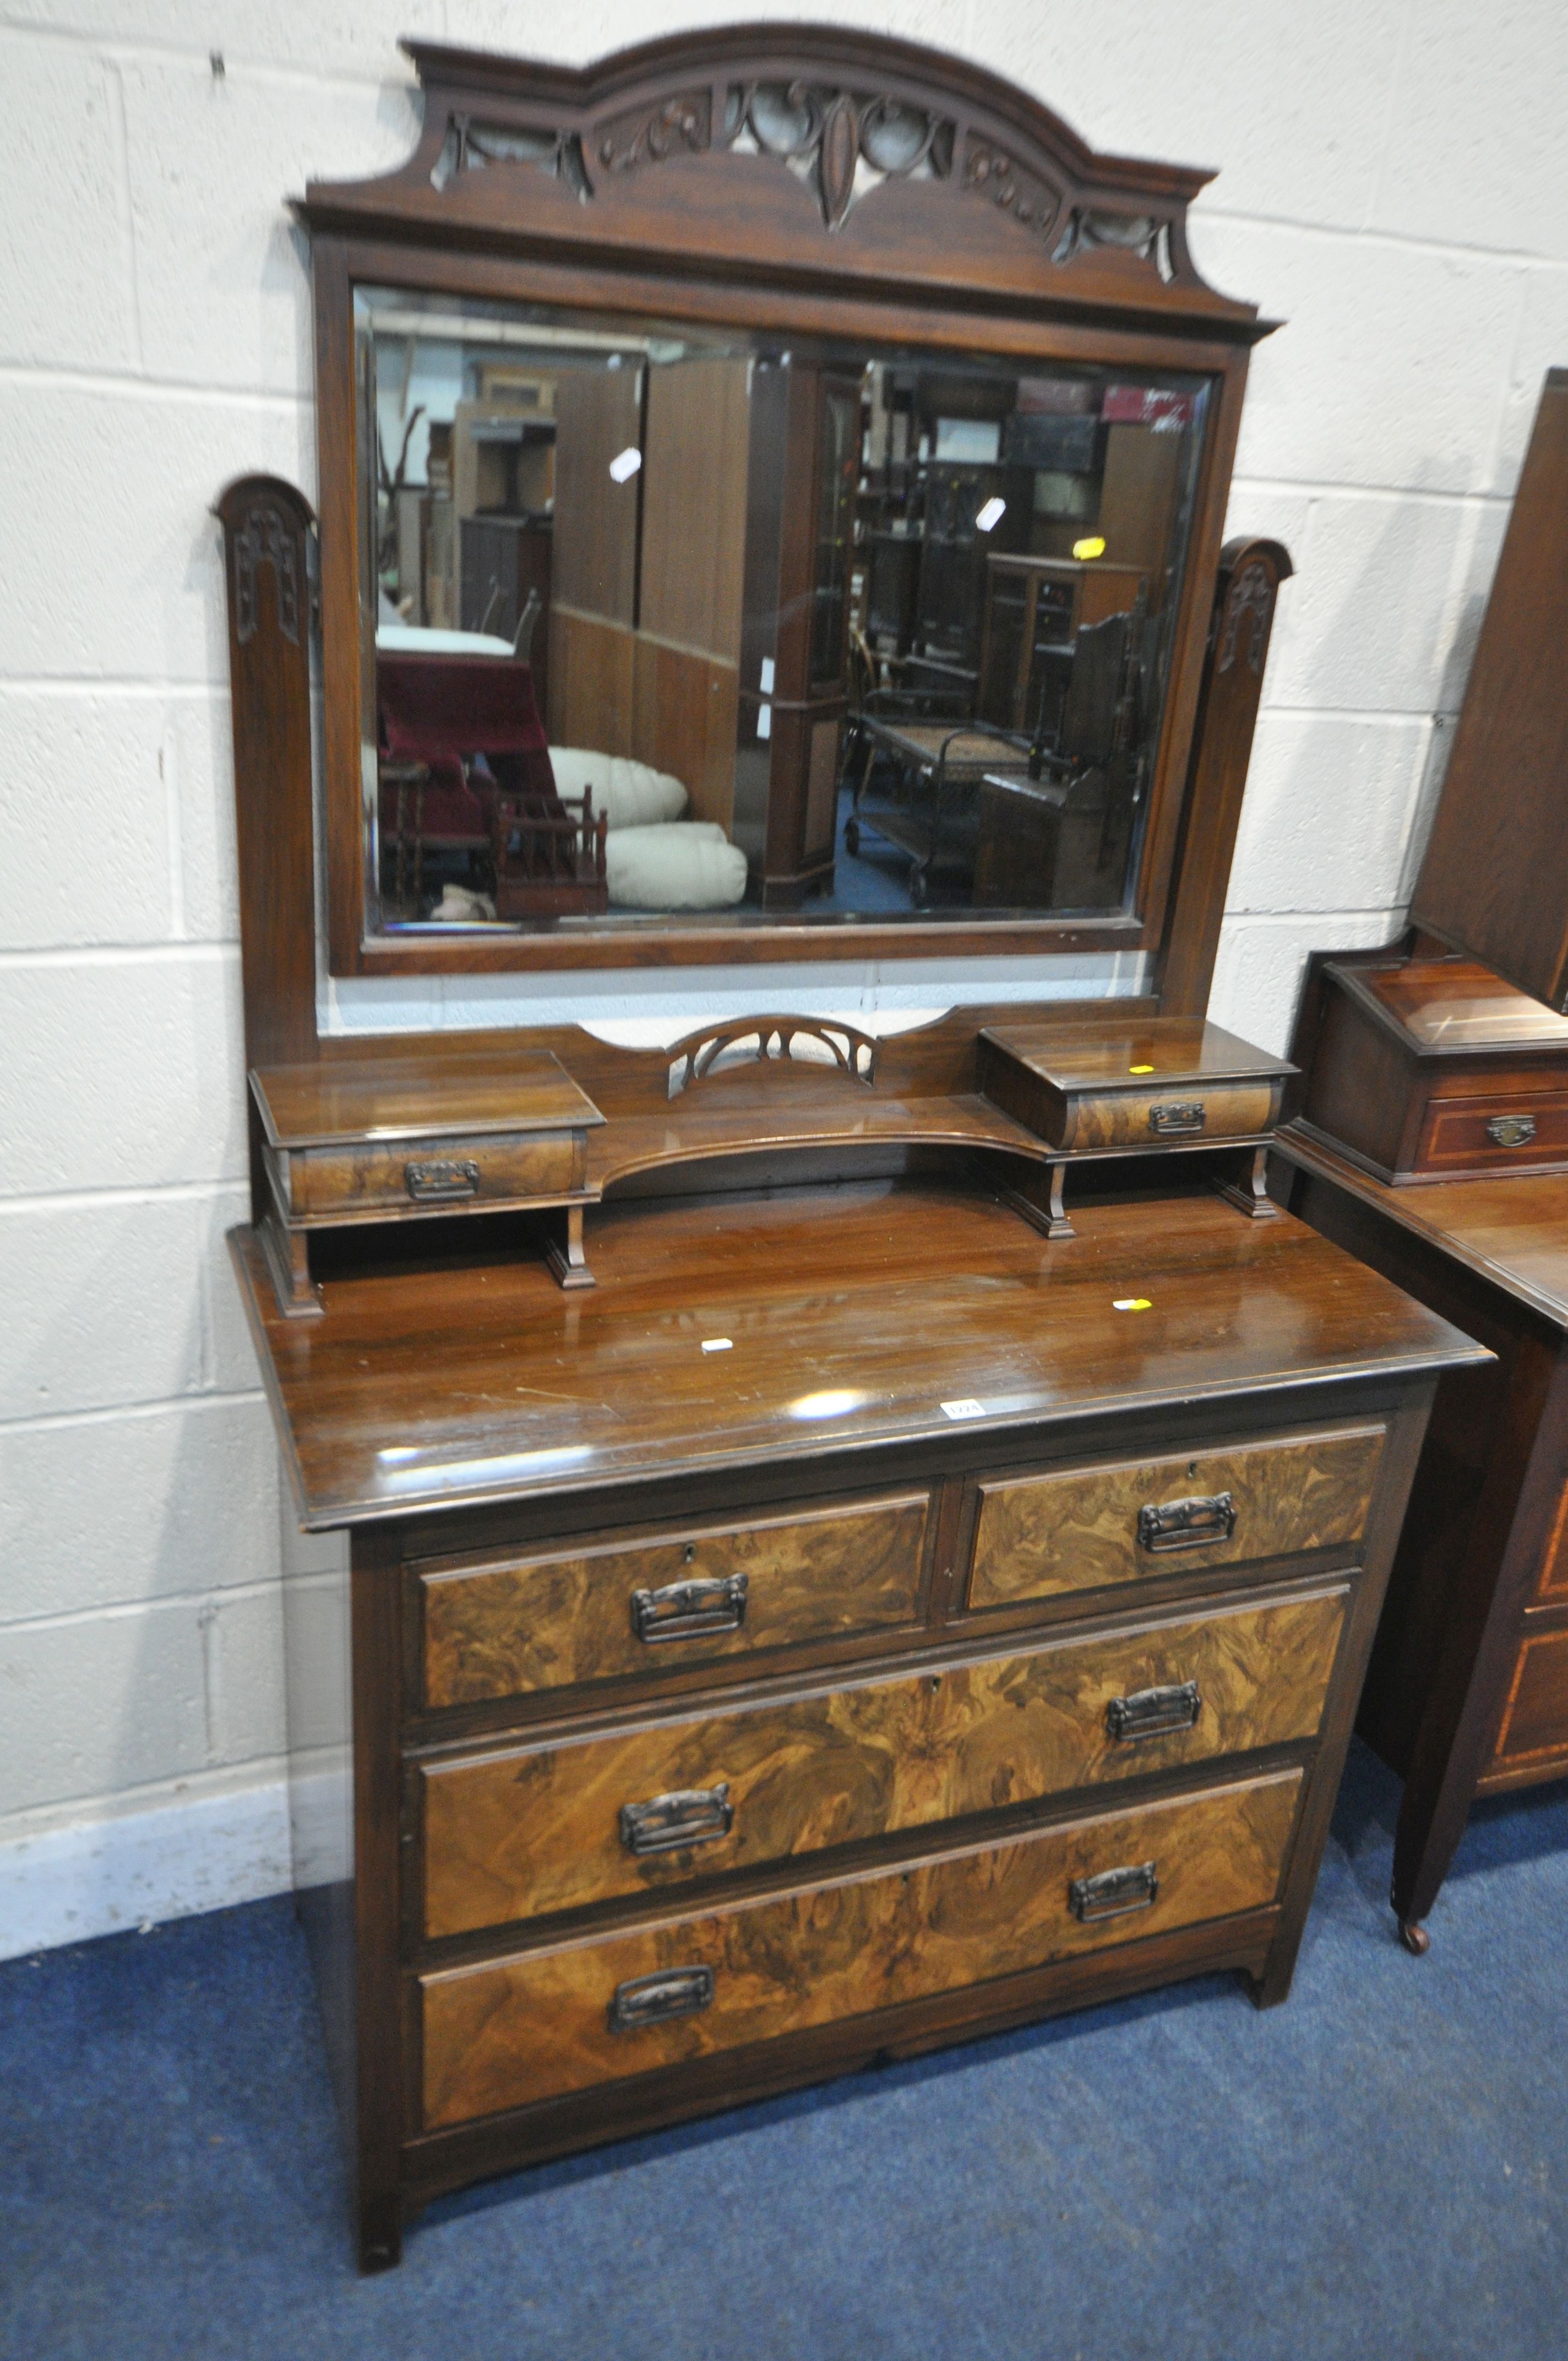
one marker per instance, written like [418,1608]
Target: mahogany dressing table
[1430,1138]
[770,1587]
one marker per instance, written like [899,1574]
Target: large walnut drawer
[1088,1528]
[507,2033]
[591,1614]
[520,1832]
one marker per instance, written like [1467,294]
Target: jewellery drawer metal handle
[1511,1130]
[684,1610]
[687,1815]
[649,2000]
[1177,1118]
[1150,1713]
[1113,1894]
[438,1183]
[1187,1524]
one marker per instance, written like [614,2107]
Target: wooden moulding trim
[517,152]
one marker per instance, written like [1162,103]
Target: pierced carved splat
[759,1040]
[842,143]
[266,537]
[846,113]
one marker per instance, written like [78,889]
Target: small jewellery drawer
[557,1619]
[515,2030]
[1084,1528]
[1211,1111]
[1494,1135]
[520,1832]
[351,1182]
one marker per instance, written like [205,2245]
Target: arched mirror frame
[631,194]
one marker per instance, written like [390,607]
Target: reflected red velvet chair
[464,765]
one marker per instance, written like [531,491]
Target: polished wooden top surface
[852,1314]
[1441,1005]
[1512,1229]
[440,1090]
[1156,1050]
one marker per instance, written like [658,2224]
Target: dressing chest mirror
[812,1541]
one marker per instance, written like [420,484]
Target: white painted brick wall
[1392,185]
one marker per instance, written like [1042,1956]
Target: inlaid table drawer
[355,1183]
[510,2032]
[1513,1131]
[1086,1528]
[523,1831]
[1534,1729]
[560,1618]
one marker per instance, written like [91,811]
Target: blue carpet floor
[1380,2167]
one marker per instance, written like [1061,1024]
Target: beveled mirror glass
[668,626]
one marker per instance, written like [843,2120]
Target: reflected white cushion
[424,640]
[687,865]
[633,793]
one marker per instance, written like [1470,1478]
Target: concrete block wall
[1392,185]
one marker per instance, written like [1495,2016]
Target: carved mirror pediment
[772,487]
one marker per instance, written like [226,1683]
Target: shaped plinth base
[1251,1192]
[561,1237]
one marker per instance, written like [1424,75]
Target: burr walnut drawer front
[380,1177]
[523,1831]
[1086,1528]
[1494,1135]
[595,1613]
[512,2031]
[1142,1119]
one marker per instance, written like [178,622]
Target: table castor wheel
[1415,1939]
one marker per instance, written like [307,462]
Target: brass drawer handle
[439,1184]
[1150,1713]
[1511,1130]
[649,2000]
[684,1610]
[1177,1118]
[1187,1524]
[687,1815]
[1113,1894]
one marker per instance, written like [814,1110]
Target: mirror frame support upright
[638,185]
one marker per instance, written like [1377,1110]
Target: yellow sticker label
[1131,1303]
[1140,1070]
[1091,546]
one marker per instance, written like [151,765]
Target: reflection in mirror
[695,628]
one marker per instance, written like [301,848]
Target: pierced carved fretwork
[681,126]
[1251,601]
[756,1040]
[266,538]
[470,145]
[1090,227]
[842,143]
[1011,187]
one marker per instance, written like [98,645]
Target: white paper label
[625,464]
[766,683]
[719,1345]
[764,721]
[967,1409]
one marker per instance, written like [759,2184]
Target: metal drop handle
[1113,1894]
[1151,1713]
[686,1611]
[441,1183]
[651,2000]
[686,1815]
[1192,1523]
